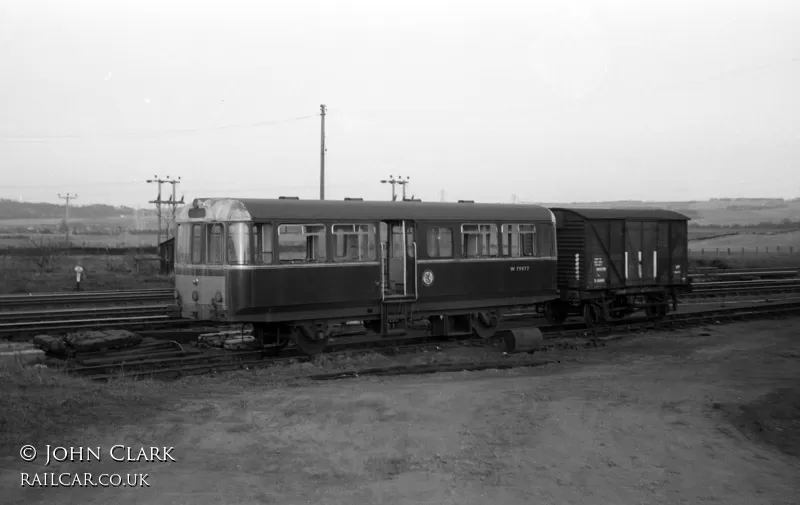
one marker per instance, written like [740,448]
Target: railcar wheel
[592,315]
[555,313]
[484,325]
[657,312]
[310,340]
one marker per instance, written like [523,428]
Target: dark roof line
[263,209]
[629,213]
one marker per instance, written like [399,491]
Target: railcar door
[398,258]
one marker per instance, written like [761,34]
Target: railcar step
[398,299]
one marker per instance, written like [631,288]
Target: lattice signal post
[394,182]
[172,202]
[67,197]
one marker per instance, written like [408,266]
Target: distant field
[750,241]
[123,240]
[109,221]
[713,232]
[23,275]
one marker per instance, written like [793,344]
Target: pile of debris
[86,342]
[229,339]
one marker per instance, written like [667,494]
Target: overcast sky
[549,100]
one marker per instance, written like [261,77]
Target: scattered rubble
[231,339]
[87,341]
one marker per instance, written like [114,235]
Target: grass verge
[40,405]
[773,419]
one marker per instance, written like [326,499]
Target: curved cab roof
[247,209]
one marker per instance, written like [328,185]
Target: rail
[18,323]
[744,273]
[83,297]
[163,362]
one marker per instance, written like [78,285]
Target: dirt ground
[697,416]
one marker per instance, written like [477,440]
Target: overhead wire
[157,133]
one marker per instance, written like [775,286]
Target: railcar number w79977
[520,268]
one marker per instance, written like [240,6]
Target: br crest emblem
[427,278]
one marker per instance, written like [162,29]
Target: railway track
[755,287]
[742,274]
[169,359]
[12,302]
[23,315]
[154,308]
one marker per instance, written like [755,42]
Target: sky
[552,100]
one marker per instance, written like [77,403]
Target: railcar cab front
[204,253]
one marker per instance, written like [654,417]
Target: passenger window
[353,242]
[510,234]
[440,243]
[197,244]
[239,244]
[479,240]
[215,246]
[262,244]
[518,240]
[301,243]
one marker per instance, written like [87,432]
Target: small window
[215,248]
[183,252]
[353,242]
[301,243]
[479,240]
[197,244]
[545,242]
[398,241]
[239,244]
[518,240]
[527,240]
[410,244]
[262,244]
[440,243]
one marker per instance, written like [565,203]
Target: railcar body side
[296,268]
[613,262]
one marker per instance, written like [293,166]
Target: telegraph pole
[322,155]
[67,197]
[171,202]
[394,182]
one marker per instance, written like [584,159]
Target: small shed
[612,249]
[166,254]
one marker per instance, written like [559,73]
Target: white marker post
[78,275]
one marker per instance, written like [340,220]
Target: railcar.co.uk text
[117,453]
